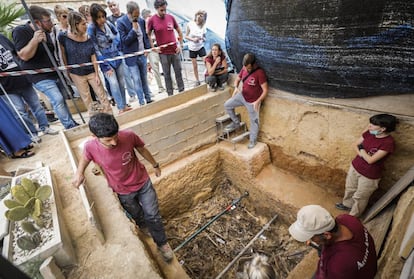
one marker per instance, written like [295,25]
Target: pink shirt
[371,145]
[252,86]
[355,258]
[164,32]
[124,172]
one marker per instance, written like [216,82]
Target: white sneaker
[132,99]
[36,139]
[48,131]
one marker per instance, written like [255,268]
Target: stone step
[240,137]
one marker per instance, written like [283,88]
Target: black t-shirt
[21,36]
[8,62]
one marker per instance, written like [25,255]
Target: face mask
[375,132]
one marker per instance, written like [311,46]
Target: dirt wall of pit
[313,139]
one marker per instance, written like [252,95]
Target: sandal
[25,154]
[30,146]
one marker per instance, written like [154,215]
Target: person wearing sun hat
[347,249]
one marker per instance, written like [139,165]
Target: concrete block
[50,270]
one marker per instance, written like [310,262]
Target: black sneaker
[341,206]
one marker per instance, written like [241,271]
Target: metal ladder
[235,135]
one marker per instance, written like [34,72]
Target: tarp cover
[327,48]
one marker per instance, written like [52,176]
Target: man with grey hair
[113,6]
[163,26]
[116,12]
[132,29]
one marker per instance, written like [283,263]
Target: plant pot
[55,238]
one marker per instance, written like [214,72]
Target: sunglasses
[64,16]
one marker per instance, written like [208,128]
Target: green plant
[27,203]
[8,13]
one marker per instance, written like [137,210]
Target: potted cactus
[36,232]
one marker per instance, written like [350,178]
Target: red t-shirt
[349,259]
[252,88]
[164,32]
[219,66]
[371,145]
[124,172]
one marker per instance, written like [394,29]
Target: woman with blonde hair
[196,36]
[61,13]
[78,48]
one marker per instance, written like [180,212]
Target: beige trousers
[82,84]
[358,189]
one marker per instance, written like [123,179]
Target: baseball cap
[311,220]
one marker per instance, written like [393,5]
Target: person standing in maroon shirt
[347,250]
[372,148]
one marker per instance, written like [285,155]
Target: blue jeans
[117,86]
[50,89]
[216,80]
[143,207]
[139,75]
[128,80]
[166,61]
[28,95]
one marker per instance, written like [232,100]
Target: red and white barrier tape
[68,67]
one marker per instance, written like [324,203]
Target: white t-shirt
[196,31]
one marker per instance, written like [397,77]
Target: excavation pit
[208,252]
[199,179]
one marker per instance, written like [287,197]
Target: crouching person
[113,150]
[347,249]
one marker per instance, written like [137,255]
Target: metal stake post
[228,208]
[265,227]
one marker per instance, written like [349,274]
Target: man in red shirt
[253,93]
[163,26]
[114,152]
[347,250]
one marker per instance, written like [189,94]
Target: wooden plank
[407,243]
[378,227]
[395,190]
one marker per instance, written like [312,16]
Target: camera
[135,20]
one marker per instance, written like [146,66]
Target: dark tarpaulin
[323,48]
